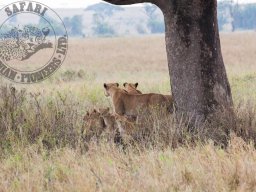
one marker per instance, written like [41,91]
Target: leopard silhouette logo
[21,44]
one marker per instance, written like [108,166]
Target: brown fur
[93,124]
[128,104]
[132,89]
[112,120]
[109,119]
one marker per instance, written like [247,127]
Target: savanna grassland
[42,146]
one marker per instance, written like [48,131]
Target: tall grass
[29,118]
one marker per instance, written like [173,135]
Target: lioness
[132,89]
[126,104]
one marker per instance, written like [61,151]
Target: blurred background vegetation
[106,20]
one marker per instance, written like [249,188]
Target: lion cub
[109,119]
[93,124]
[116,123]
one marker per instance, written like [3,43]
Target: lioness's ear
[136,85]
[125,84]
[117,84]
[87,113]
[105,85]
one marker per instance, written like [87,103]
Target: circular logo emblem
[33,42]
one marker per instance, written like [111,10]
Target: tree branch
[162,4]
[128,2]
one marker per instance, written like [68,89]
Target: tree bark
[199,81]
[197,72]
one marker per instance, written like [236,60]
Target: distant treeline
[234,17]
[231,17]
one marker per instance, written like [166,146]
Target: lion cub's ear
[87,115]
[95,111]
[105,85]
[125,84]
[136,85]
[117,84]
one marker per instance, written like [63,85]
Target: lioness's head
[108,86]
[133,85]
[131,88]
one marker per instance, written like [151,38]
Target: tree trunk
[198,76]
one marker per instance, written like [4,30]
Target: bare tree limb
[162,4]
[127,2]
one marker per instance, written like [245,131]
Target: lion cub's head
[109,119]
[108,86]
[104,111]
[93,122]
[90,116]
[131,88]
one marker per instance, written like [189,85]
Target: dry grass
[107,168]
[42,147]
[104,168]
